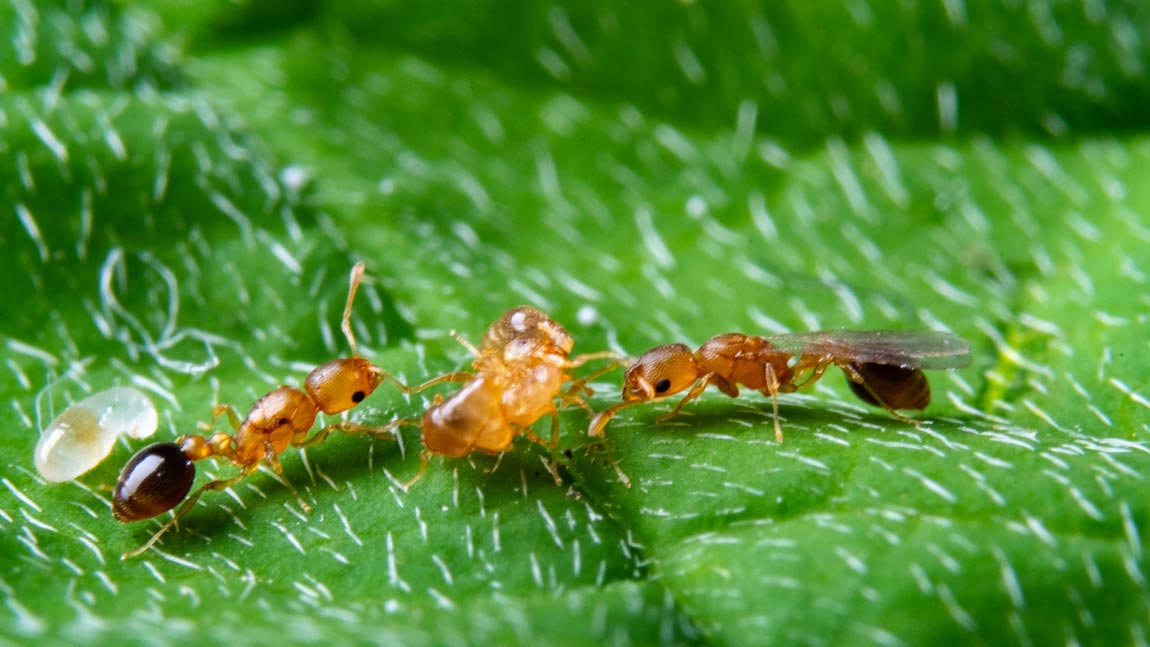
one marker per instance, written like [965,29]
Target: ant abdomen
[157,478]
[898,387]
[471,419]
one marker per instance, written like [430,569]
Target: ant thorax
[272,423]
[741,359]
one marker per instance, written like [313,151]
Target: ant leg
[622,476]
[599,422]
[189,503]
[580,386]
[424,456]
[579,360]
[571,398]
[457,376]
[273,461]
[772,381]
[857,378]
[553,445]
[816,373]
[695,392]
[387,431]
[217,411]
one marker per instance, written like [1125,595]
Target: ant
[884,368]
[160,476]
[521,367]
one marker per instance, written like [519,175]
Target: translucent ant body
[884,368]
[160,476]
[520,369]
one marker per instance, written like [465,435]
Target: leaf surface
[183,220]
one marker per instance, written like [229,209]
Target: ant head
[341,384]
[659,372]
[156,479]
[529,323]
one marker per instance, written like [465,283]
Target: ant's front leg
[696,391]
[579,387]
[387,431]
[617,360]
[457,376]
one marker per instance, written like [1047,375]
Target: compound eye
[662,385]
[156,479]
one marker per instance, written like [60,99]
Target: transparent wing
[927,349]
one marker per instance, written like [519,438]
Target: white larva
[83,435]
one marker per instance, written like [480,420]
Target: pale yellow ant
[520,369]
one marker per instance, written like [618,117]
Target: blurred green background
[186,185]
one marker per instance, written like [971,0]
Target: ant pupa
[159,477]
[884,368]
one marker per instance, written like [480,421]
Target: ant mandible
[884,368]
[160,476]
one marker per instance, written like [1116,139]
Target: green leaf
[185,221]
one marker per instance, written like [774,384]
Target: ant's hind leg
[189,503]
[854,376]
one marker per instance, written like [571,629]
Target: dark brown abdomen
[154,481]
[897,387]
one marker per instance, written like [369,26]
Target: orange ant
[160,476]
[884,368]
[521,367]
